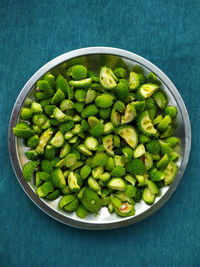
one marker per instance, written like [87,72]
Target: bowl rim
[12,139]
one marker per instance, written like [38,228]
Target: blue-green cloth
[32,32]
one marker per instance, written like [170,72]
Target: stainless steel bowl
[94,58]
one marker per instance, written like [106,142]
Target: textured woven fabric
[32,32]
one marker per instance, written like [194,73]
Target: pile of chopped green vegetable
[99,141]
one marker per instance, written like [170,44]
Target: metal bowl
[94,58]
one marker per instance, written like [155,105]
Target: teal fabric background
[167,33]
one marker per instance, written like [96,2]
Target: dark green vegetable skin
[64,165]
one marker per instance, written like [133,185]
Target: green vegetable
[104,101]
[163,124]
[107,78]
[45,189]
[129,114]
[122,90]
[144,138]
[92,75]
[49,152]
[108,128]
[100,159]
[44,138]
[136,166]
[85,171]
[118,171]
[23,130]
[139,106]
[117,184]
[104,113]
[90,96]
[151,78]
[91,143]
[36,108]
[104,177]
[171,111]
[26,114]
[44,90]
[57,140]
[108,144]
[73,182]
[146,90]
[160,99]
[130,179]
[170,173]
[27,103]
[84,150]
[94,185]
[165,148]
[96,172]
[39,119]
[173,156]
[97,130]
[148,161]
[32,155]
[119,161]
[145,124]
[58,114]
[58,97]
[53,195]
[129,134]
[90,110]
[80,95]
[50,79]
[119,106]
[40,177]
[157,120]
[79,72]
[66,149]
[115,117]
[162,162]
[29,168]
[66,200]
[33,141]
[153,147]
[127,151]
[139,151]
[81,83]
[90,200]
[110,165]
[120,72]
[156,175]
[81,211]
[142,180]
[70,160]
[66,105]
[134,80]
[148,196]
[172,141]
[168,132]
[65,127]
[61,83]
[58,178]
[130,191]
[152,187]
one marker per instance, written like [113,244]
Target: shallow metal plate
[94,58]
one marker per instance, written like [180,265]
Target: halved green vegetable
[146,125]
[129,134]
[146,90]
[107,78]
[117,184]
